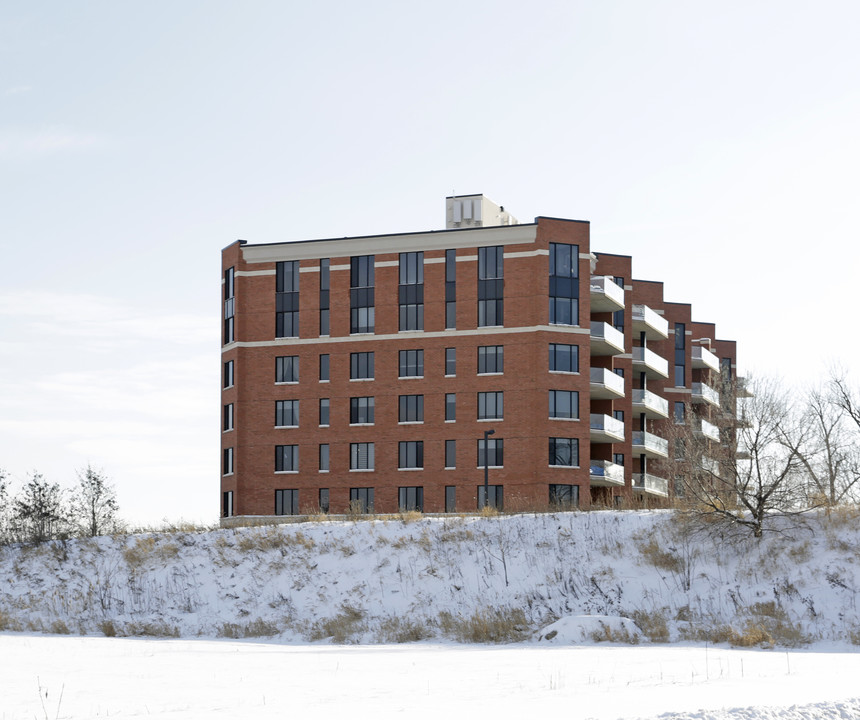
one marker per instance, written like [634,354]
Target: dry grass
[59,627]
[342,628]
[490,625]
[617,635]
[255,628]
[403,630]
[410,516]
[655,555]
[653,624]
[107,628]
[272,537]
[149,549]
[149,629]
[766,626]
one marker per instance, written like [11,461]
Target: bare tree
[755,473]
[4,507]
[38,513]
[95,506]
[845,397]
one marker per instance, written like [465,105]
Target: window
[286,502]
[411,291]
[325,286]
[450,361]
[287,413]
[564,452]
[450,454]
[491,359]
[361,366]
[361,500]
[411,455]
[286,458]
[563,358]
[491,450]
[618,415]
[450,289]
[287,299]
[618,459]
[324,455]
[324,368]
[287,369]
[450,498]
[227,505]
[491,286]
[227,463]
[361,456]
[324,500]
[619,372]
[229,305]
[564,496]
[411,408]
[680,354]
[495,496]
[228,417]
[450,407]
[411,499]
[679,413]
[325,412]
[491,405]
[229,372]
[563,284]
[618,315]
[361,299]
[411,363]
[361,411]
[564,404]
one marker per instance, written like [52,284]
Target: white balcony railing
[709,430]
[653,405]
[651,323]
[705,393]
[711,466]
[606,295]
[655,366]
[605,473]
[605,339]
[606,384]
[650,444]
[651,484]
[605,428]
[704,358]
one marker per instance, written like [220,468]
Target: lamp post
[487,434]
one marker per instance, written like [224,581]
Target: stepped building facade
[412,371]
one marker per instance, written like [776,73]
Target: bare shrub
[607,633]
[107,628]
[653,624]
[396,629]
[654,553]
[489,625]
[342,628]
[148,549]
[59,627]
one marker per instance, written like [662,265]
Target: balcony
[606,429]
[648,484]
[606,296]
[653,325]
[650,362]
[711,466]
[709,430]
[650,445]
[743,390]
[705,394]
[704,359]
[605,384]
[606,474]
[606,340]
[644,401]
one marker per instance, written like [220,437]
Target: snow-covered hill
[462,578]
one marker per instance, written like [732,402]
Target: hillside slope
[468,579]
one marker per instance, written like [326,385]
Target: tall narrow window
[618,315]
[325,412]
[411,291]
[450,361]
[563,284]
[679,413]
[680,354]
[229,373]
[228,417]
[450,454]
[324,454]
[450,289]
[361,296]
[227,465]
[229,305]
[450,498]
[324,367]
[450,407]
[227,507]
[491,286]
[325,286]
[287,299]
[324,500]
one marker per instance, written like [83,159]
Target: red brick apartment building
[388,372]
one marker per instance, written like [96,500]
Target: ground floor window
[564,496]
[411,498]
[227,507]
[324,500]
[286,502]
[361,499]
[450,499]
[496,496]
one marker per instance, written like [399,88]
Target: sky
[715,143]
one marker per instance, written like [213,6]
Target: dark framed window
[361,410]
[563,404]
[563,284]
[286,458]
[619,372]
[450,453]
[563,358]
[450,406]
[361,456]
[227,461]
[491,405]
[411,499]
[325,367]
[228,417]
[618,315]
[493,450]
[495,496]
[229,305]
[229,373]
[361,294]
[324,457]
[491,359]
[680,354]
[679,413]
[450,361]
[450,289]
[411,363]
[411,408]
[361,366]
[491,283]
[286,502]
[325,288]
[410,454]
[324,500]
[564,452]
[287,369]
[227,509]
[411,291]
[361,499]
[287,298]
[325,411]
[564,496]
[286,413]
[618,459]
[450,498]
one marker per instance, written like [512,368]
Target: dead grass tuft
[655,554]
[59,627]
[490,625]
[342,628]
[653,624]
[403,630]
[272,537]
[617,635]
[255,628]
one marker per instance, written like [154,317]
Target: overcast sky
[716,143]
